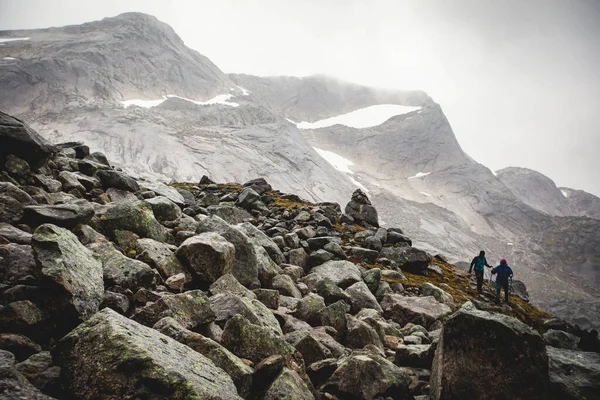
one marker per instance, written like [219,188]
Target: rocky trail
[113,287]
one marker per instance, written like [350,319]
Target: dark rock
[319,257]
[408,258]
[310,348]
[190,309]
[363,255]
[16,262]
[518,288]
[562,340]
[118,180]
[79,149]
[473,341]
[207,255]
[334,315]
[259,185]
[372,279]
[158,366]
[39,371]
[250,200]
[397,238]
[228,283]
[160,257]
[115,301]
[261,239]
[231,215]
[418,310]
[13,234]
[12,201]
[226,305]
[309,309]
[164,209]
[21,346]
[298,257]
[19,139]
[64,215]
[13,385]
[47,183]
[288,386]
[136,217]
[574,374]
[121,196]
[268,297]
[361,297]
[418,356]
[205,180]
[20,316]
[361,210]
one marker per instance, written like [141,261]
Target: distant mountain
[129,86]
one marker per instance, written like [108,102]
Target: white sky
[518,80]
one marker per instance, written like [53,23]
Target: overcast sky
[518,80]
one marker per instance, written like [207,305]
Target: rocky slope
[257,295]
[83,83]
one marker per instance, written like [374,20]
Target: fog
[519,81]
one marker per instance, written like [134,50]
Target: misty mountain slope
[582,203]
[129,55]
[536,190]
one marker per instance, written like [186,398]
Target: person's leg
[498,288]
[479,275]
[506,292]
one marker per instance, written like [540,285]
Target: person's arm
[487,265]
[472,263]
[510,271]
[494,270]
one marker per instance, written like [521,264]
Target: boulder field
[113,287]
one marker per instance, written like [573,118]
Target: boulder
[167,191]
[416,356]
[240,373]
[20,140]
[259,185]
[418,310]
[66,215]
[231,215]
[117,180]
[164,209]
[562,340]
[160,257]
[309,309]
[397,238]
[574,374]
[115,301]
[286,286]
[39,371]
[190,309]
[361,297]
[361,210]
[342,273]
[250,200]
[47,183]
[20,316]
[428,289]
[269,297]
[308,345]
[13,385]
[518,288]
[228,283]
[207,255]
[360,334]
[120,196]
[408,258]
[12,201]
[253,342]
[157,366]
[360,254]
[16,262]
[70,182]
[258,237]
[486,355]
[226,305]
[298,257]
[136,217]
[384,378]
[21,346]
[13,234]
[288,386]
[334,315]
[69,270]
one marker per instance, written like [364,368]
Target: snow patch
[425,194]
[362,118]
[13,39]
[495,173]
[360,185]
[564,193]
[220,99]
[245,92]
[509,244]
[340,163]
[419,175]
[289,120]
[9,58]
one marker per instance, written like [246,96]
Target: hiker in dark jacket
[504,273]
[479,262]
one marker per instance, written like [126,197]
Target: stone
[292,240]
[117,180]
[288,386]
[250,200]
[418,310]
[561,340]
[360,334]
[305,233]
[429,289]
[311,349]
[334,315]
[70,182]
[207,256]
[77,149]
[176,282]
[473,341]
[20,316]
[240,373]
[408,258]
[121,196]
[12,201]
[164,209]
[16,262]
[231,215]
[13,385]
[39,371]
[269,297]
[136,217]
[226,305]
[286,286]
[115,301]
[261,239]
[360,254]
[65,215]
[69,270]
[518,288]
[160,257]
[413,340]
[253,342]
[22,141]
[417,356]
[361,297]
[259,185]
[228,283]
[13,234]
[166,191]
[295,272]
[319,257]
[298,257]
[372,278]
[309,309]
[190,309]
[47,183]
[397,238]
[361,210]
[342,273]
[385,379]
[574,374]
[158,366]
[21,346]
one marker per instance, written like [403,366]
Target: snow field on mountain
[341,164]
[362,118]
[13,39]
[419,175]
[220,99]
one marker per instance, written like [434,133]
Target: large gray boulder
[95,356]
[260,238]
[342,273]
[361,297]
[207,256]
[408,258]
[19,139]
[227,304]
[418,310]
[12,201]
[136,217]
[69,270]
[164,209]
[574,374]
[288,386]
[160,257]
[190,309]
[13,385]
[66,215]
[415,355]
[117,180]
[474,341]
[365,375]
[562,340]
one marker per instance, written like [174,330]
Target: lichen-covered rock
[298,257]
[16,262]
[160,257]
[117,180]
[342,273]
[428,289]
[207,255]
[13,385]
[253,342]
[308,345]
[286,286]
[13,234]
[22,141]
[261,239]
[417,356]
[190,309]
[228,283]
[12,201]
[334,315]
[21,346]
[65,215]
[95,355]
[360,334]
[562,340]
[365,375]
[269,297]
[39,371]
[227,304]
[240,373]
[288,386]
[20,316]
[418,310]
[164,209]
[361,297]
[309,308]
[408,258]
[230,214]
[487,355]
[574,374]
[136,217]
[70,271]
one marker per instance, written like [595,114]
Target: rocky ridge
[255,293]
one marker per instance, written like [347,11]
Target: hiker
[504,274]
[479,262]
